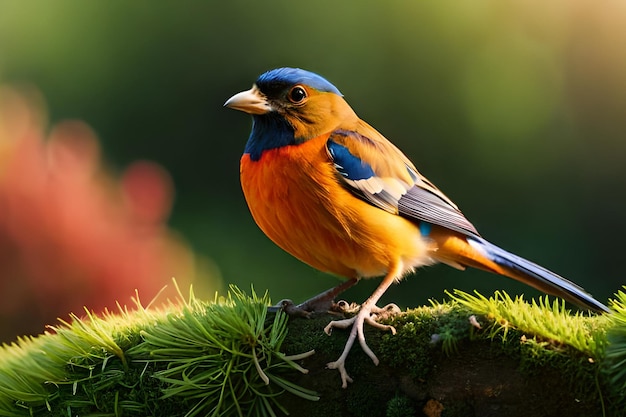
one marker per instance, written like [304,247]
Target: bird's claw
[372,322]
[340,365]
[342,306]
[365,315]
[386,312]
[341,324]
[321,303]
[290,309]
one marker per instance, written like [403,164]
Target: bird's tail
[476,252]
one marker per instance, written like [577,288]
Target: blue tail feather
[536,276]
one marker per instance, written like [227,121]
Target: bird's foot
[321,303]
[377,313]
[344,307]
[367,314]
[290,308]
[386,312]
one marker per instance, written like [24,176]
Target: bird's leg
[357,322]
[321,303]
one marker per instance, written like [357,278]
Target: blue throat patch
[269,131]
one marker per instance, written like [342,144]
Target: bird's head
[290,106]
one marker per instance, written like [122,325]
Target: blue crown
[291,76]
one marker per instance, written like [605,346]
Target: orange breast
[296,199]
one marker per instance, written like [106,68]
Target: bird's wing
[375,170]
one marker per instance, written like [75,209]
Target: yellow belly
[296,199]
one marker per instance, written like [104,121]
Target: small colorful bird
[332,191]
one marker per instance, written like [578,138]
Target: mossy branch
[471,355]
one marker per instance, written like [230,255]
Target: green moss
[400,406]
[224,358]
[461,409]
[221,358]
[614,364]
[546,320]
[362,403]
[411,347]
[423,333]
[540,335]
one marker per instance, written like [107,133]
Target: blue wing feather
[348,165]
[419,200]
[360,177]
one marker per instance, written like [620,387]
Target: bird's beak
[251,101]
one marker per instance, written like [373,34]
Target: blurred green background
[517,110]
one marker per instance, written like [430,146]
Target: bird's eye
[297,94]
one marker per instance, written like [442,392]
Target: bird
[329,189]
